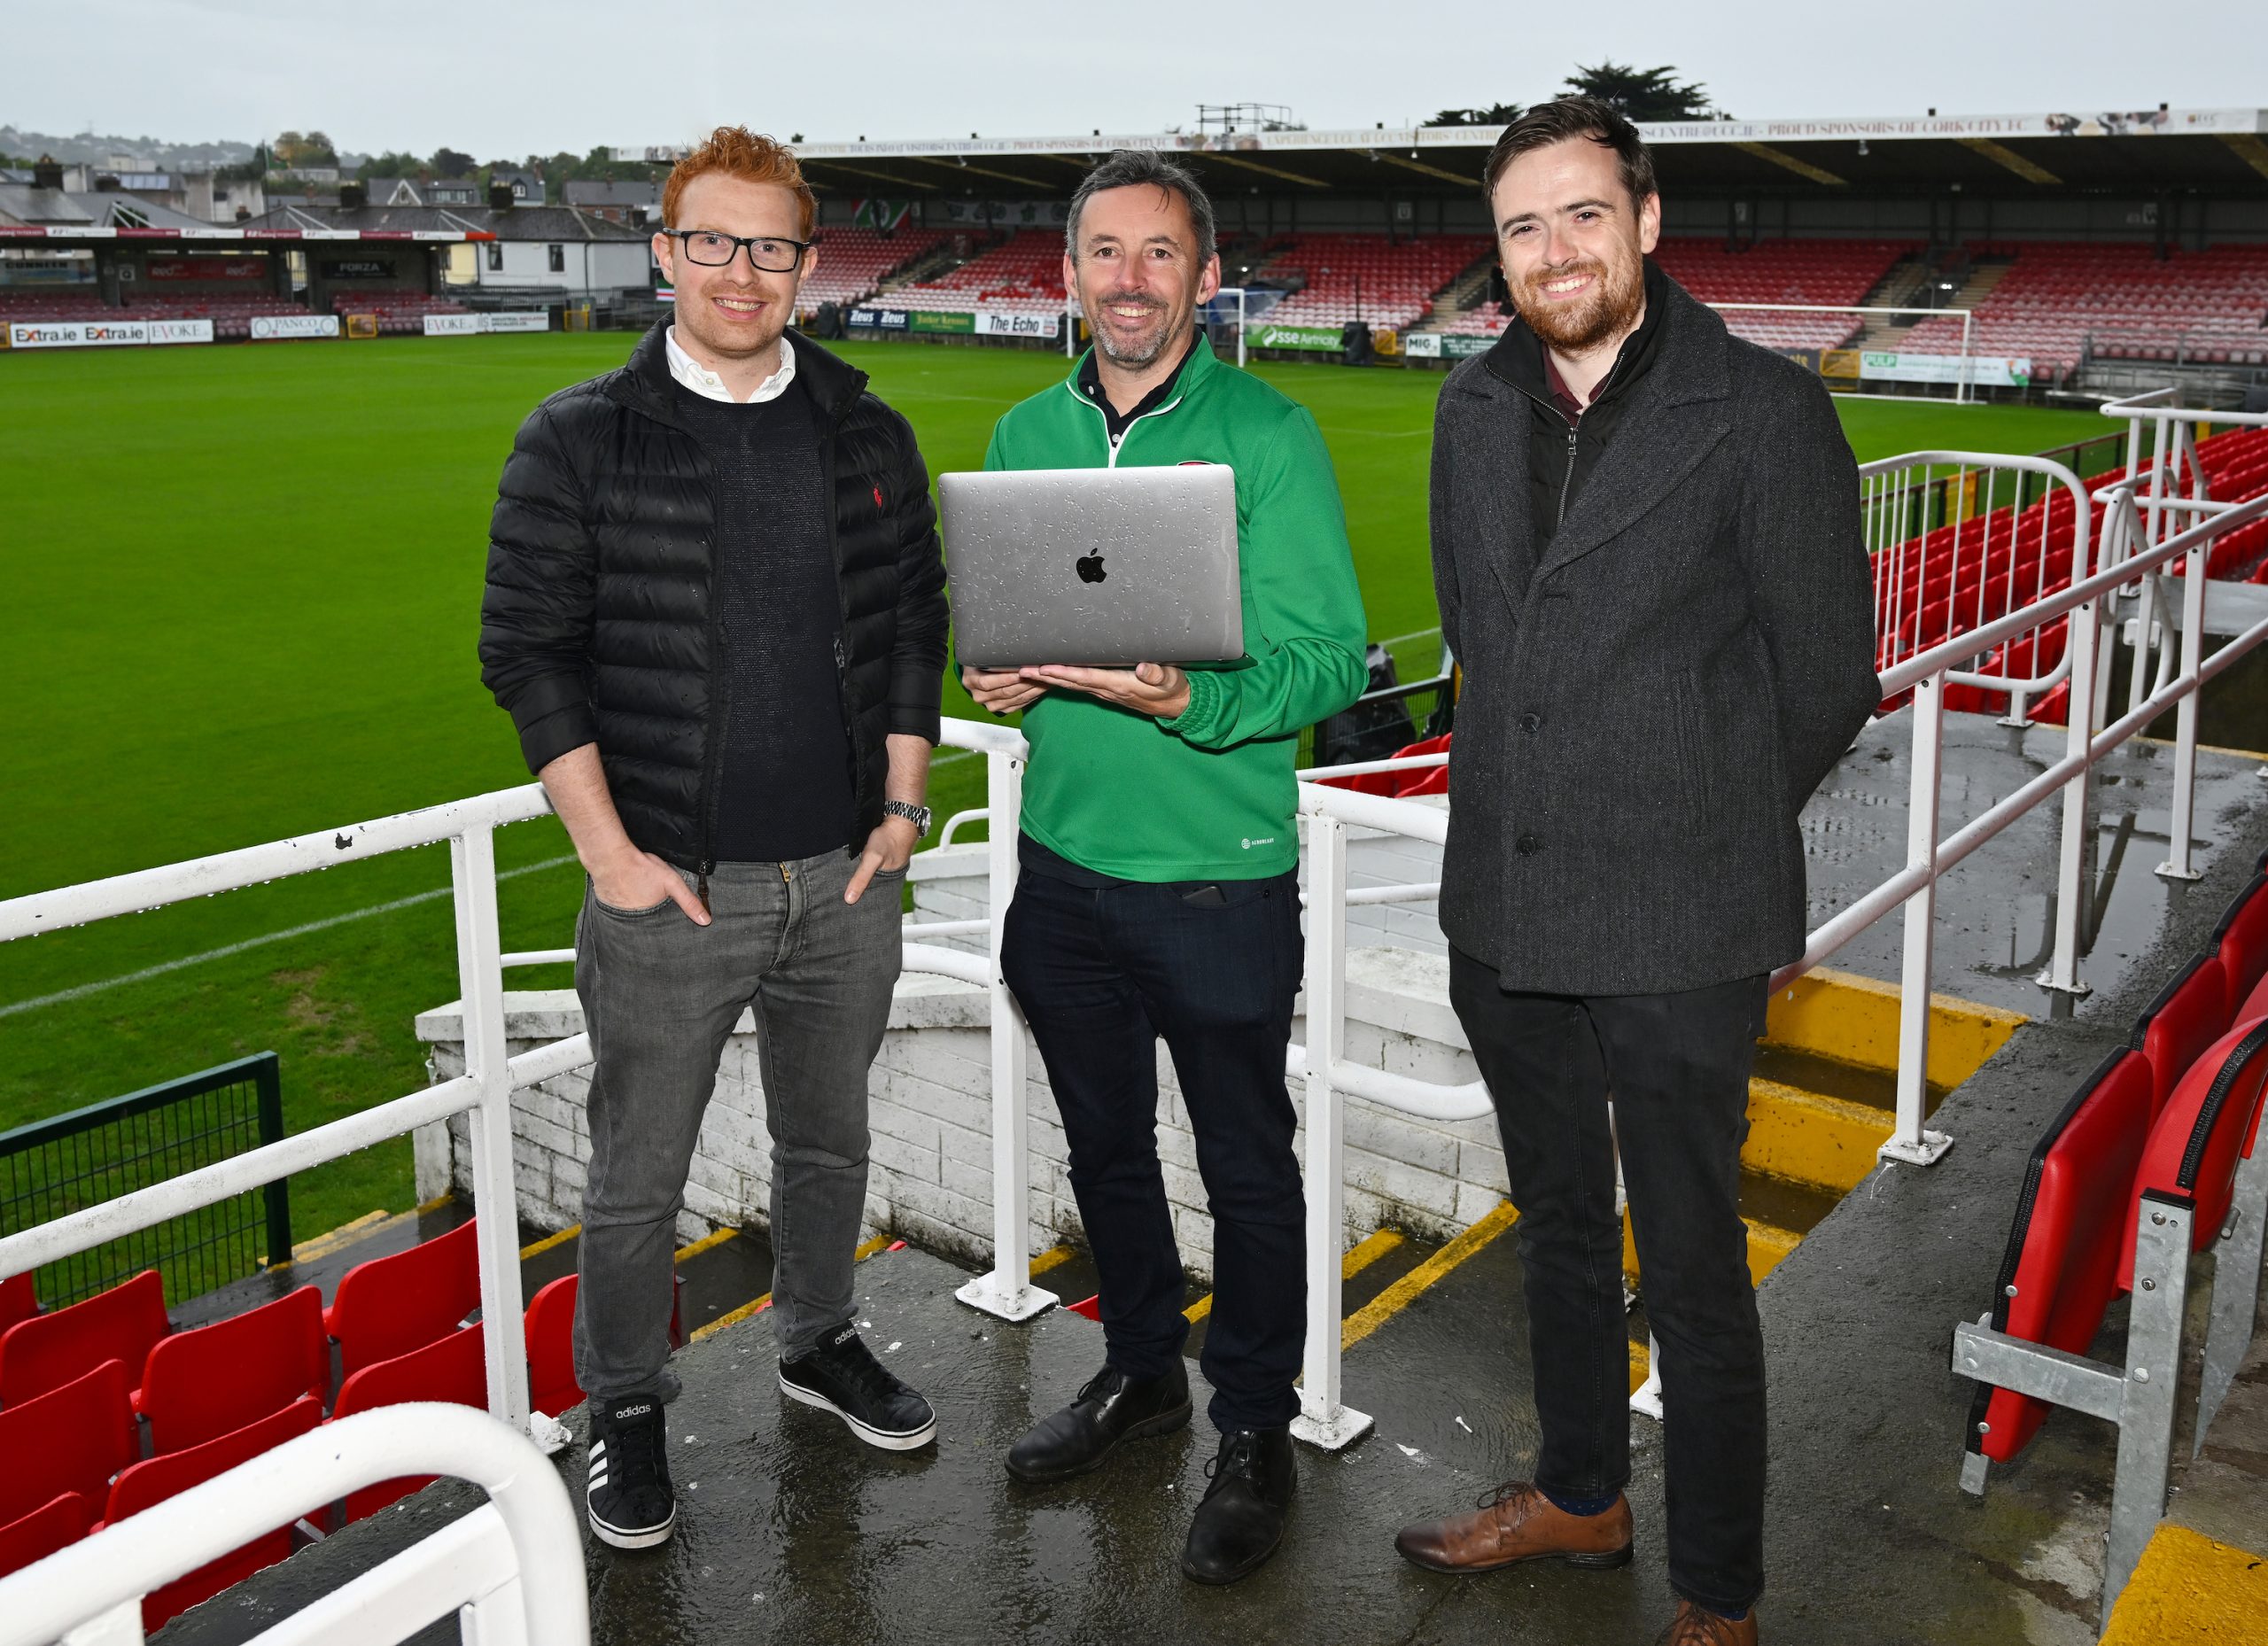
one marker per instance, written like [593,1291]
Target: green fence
[53,1167]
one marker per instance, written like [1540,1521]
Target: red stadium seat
[2254,1008]
[202,1385]
[56,1524]
[2242,935]
[452,1369]
[2188,1016]
[18,1300]
[552,1388]
[50,1350]
[69,1440]
[389,1306]
[2206,1128]
[2062,1266]
[1426,780]
[150,1482]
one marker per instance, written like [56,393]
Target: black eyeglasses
[768,253]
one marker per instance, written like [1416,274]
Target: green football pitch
[245,584]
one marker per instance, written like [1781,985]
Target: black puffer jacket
[598,624]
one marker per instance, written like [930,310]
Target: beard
[1133,354]
[1609,308]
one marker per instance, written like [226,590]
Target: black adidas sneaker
[630,1502]
[842,1377]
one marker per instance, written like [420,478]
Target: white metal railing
[483,1092]
[511,1571]
[1998,559]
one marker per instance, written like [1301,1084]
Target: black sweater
[783,773]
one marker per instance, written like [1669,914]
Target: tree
[447,162]
[1642,93]
[293,150]
[1495,114]
[392,163]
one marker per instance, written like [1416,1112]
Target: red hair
[737,151]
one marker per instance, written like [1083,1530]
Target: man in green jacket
[1159,890]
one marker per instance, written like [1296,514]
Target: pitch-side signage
[993,325]
[95,334]
[881,319]
[76,334]
[474,325]
[1986,371]
[1271,336]
[266,328]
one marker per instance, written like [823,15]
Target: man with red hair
[714,611]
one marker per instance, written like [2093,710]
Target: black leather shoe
[1112,1408]
[1241,1520]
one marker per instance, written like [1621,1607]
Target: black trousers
[1676,1068]
[1102,974]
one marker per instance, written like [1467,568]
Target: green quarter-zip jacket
[1209,796]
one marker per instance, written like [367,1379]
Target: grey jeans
[661,996]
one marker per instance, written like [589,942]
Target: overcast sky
[510,79]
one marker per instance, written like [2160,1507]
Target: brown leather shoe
[1698,1625]
[1517,1522]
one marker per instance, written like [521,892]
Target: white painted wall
[931,1121]
[596,266]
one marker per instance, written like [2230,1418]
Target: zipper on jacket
[842,628]
[1567,481]
[1119,444]
[1112,446]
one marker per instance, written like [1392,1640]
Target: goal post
[1809,326]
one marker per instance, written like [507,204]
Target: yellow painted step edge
[1808,1137]
[2190,1591]
[1852,1019]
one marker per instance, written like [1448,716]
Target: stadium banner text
[1018,214]
[880,320]
[248,266]
[961,322]
[1269,337]
[89,334]
[267,328]
[474,325]
[990,325]
[1986,371]
[1444,344]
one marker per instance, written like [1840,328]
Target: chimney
[47,173]
[352,196]
[500,196]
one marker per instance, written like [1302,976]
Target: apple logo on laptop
[1090,568]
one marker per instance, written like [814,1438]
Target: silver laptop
[1106,567]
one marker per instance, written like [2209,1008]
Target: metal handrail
[515,1562]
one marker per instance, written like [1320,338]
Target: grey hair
[1127,168]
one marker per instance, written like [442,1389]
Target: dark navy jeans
[1103,972]
[1676,1068]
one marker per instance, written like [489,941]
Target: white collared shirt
[709,386]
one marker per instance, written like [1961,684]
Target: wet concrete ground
[790,1531]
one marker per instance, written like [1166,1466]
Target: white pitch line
[159,970]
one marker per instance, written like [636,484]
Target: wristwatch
[919,816]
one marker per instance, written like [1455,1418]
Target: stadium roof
[24,205]
[2218,152]
[512,222]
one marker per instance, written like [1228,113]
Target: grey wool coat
[1647,708]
